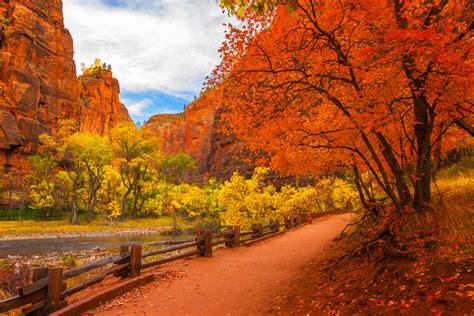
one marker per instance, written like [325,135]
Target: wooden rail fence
[48,291]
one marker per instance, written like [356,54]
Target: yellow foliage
[113,210]
[41,195]
[244,202]
[97,66]
[291,201]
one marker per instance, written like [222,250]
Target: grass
[63,226]
[453,199]
[449,222]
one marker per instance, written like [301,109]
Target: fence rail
[48,291]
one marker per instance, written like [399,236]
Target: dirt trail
[239,281]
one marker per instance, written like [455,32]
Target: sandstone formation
[198,133]
[100,107]
[39,85]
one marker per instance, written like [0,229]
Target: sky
[160,50]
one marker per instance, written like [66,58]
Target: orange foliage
[374,85]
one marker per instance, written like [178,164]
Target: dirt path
[239,281]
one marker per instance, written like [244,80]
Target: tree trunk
[91,205]
[124,204]
[400,183]
[422,186]
[140,208]
[436,159]
[136,197]
[73,215]
[465,126]
[175,222]
[359,188]
[10,196]
[89,209]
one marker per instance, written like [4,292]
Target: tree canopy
[374,86]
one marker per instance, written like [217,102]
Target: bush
[69,261]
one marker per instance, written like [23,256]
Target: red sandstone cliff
[100,107]
[38,83]
[197,132]
[39,86]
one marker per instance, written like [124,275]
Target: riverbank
[19,256]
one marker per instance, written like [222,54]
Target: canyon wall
[197,132]
[100,108]
[39,85]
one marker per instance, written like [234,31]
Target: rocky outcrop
[100,107]
[39,85]
[198,133]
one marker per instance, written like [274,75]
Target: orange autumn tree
[374,85]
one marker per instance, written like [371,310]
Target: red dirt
[239,281]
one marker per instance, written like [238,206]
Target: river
[41,246]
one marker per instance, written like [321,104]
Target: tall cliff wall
[100,107]
[39,86]
[198,133]
[38,83]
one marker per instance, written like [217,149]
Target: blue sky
[160,50]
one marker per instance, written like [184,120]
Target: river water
[29,247]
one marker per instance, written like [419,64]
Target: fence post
[123,250]
[260,230]
[55,281]
[135,260]
[236,236]
[272,224]
[230,239]
[208,243]
[39,273]
[200,241]
[298,220]
[287,223]
[277,225]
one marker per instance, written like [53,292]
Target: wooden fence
[48,291]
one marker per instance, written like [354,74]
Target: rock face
[100,107]
[38,83]
[197,133]
[39,86]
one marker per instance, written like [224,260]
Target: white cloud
[136,109]
[153,45]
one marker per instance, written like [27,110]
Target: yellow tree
[110,192]
[136,152]
[41,183]
[245,201]
[62,146]
[92,152]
